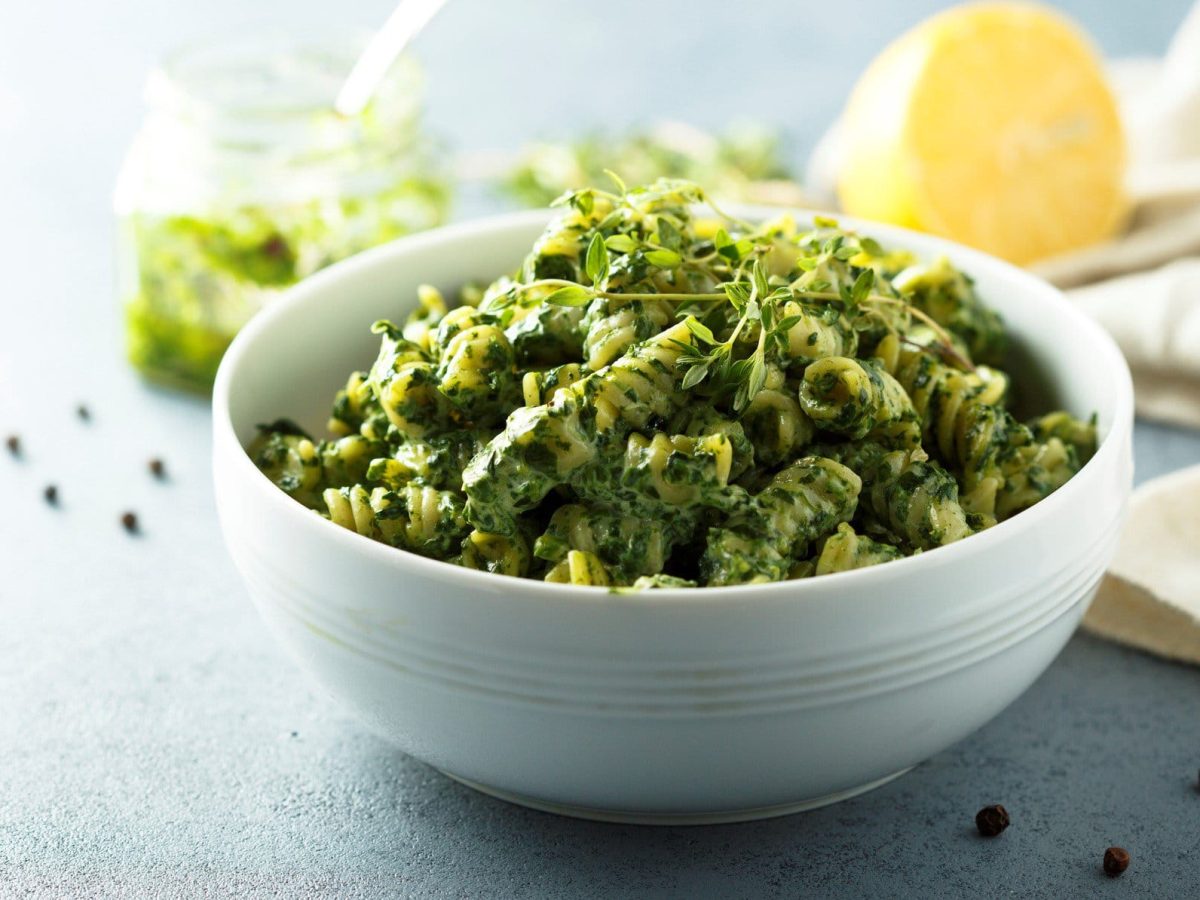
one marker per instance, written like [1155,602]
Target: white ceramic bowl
[697,705]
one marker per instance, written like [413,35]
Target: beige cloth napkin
[1150,597]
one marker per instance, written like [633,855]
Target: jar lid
[251,118]
[277,90]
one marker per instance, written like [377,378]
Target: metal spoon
[377,57]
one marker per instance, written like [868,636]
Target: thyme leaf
[734,284]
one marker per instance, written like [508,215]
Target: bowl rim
[1108,358]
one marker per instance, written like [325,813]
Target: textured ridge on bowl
[703,686]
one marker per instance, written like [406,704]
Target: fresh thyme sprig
[637,251]
[944,346]
[715,360]
[718,364]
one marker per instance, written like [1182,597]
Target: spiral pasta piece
[677,469]
[538,388]
[580,568]
[404,382]
[858,399]
[1004,467]
[614,326]
[946,400]
[431,309]
[948,297]
[1034,472]
[503,554]
[346,460]
[1071,431]
[906,495]
[919,501]
[436,460]
[806,500]
[628,546]
[541,446]
[288,456]
[704,421]
[419,518]
[377,514]
[887,351]
[777,425]
[641,385]
[476,367]
[817,332]
[452,324]
[845,550]
[351,405]
[555,253]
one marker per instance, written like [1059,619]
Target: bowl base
[668,818]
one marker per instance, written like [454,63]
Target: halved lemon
[990,124]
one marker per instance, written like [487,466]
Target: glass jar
[243,180]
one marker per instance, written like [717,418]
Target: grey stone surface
[154,741]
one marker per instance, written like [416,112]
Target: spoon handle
[405,23]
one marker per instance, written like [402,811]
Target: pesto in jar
[243,181]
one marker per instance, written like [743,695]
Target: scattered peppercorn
[13,443]
[83,412]
[51,494]
[157,468]
[130,521]
[1116,861]
[991,820]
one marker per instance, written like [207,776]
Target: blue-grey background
[153,741]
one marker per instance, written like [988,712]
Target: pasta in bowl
[747,698]
[662,399]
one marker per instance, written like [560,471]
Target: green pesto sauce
[698,402]
[199,277]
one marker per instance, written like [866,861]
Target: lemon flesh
[992,125]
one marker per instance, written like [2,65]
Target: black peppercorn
[991,820]
[51,494]
[83,412]
[130,521]
[13,443]
[157,468]
[1116,861]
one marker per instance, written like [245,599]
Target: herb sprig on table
[747,162]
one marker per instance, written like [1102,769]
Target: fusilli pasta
[660,400]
